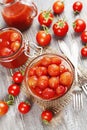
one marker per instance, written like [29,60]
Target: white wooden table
[68,119]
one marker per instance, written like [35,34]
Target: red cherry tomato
[3,108]
[43,82]
[53,70]
[43,38]
[62,69]
[77,7]
[45,18]
[47,115]
[15,46]
[32,71]
[53,82]
[15,37]
[45,61]
[84,51]
[58,7]
[48,93]
[60,90]
[60,28]
[32,81]
[79,25]
[66,79]
[6,51]
[84,37]
[14,89]
[41,71]
[17,77]
[24,107]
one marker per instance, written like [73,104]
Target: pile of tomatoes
[60,27]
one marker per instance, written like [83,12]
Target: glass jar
[18,13]
[14,50]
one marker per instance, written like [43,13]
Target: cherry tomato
[32,71]
[58,7]
[43,38]
[3,108]
[66,79]
[84,51]
[38,90]
[17,77]
[53,82]
[60,90]
[62,69]
[77,7]
[15,37]
[84,37]
[56,60]
[47,115]
[14,89]
[79,25]
[43,82]
[41,71]
[24,107]
[15,46]
[45,61]
[6,51]
[32,81]
[60,28]
[53,70]
[48,93]
[45,18]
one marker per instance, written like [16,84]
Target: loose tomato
[17,77]
[58,7]
[3,108]
[53,82]
[41,71]
[47,115]
[79,25]
[14,89]
[77,7]
[60,28]
[48,93]
[53,70]
[66,79]
[24,107]
[84,37]
[84,51]
[15,46]
[45,18]
[45,61]
[43,82]
[60,90]
[43,38]
[32,81]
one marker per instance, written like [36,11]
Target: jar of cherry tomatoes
[14,49]
[18,13]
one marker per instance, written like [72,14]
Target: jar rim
[15,53]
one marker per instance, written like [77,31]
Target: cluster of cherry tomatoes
[60,27]
[13,91]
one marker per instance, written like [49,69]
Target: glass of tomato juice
[18,13]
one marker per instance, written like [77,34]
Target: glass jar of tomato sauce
[18,13]
[14,49]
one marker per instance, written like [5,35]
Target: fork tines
[78,100]
[84,87]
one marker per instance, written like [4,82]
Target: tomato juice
[12,48]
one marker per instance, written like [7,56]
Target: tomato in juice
[18,15]
[11,49]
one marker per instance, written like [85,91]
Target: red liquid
[11,49]
[18,15]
